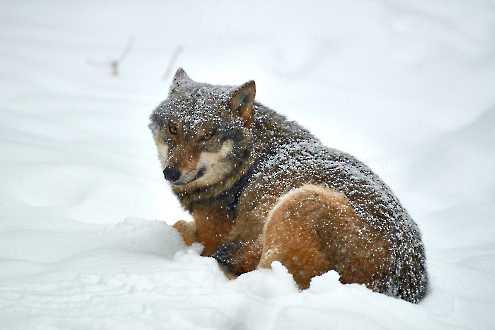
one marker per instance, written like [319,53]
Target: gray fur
[291,155]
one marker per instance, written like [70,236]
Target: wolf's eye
[172,128]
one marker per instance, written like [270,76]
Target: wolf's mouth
[188,178]
[200,173]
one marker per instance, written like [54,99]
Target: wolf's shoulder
[308,156]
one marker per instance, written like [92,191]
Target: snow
[85,241]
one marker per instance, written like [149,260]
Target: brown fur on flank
[263,189]
[313,229]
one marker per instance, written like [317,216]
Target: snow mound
[138,274]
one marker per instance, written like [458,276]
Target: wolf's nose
[171,174]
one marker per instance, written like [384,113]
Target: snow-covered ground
[85,243]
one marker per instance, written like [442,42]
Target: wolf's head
[203,133]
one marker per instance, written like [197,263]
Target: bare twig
[171,62]
[127,49]
[115,64]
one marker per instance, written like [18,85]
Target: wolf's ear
[242,102]
[179,77]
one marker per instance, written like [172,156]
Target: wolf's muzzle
[171,174]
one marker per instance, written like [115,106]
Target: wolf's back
[292,157]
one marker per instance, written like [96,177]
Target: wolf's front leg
[238,257]
[187,230]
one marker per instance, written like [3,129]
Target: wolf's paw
[187,230]
[225,255]
[238,257]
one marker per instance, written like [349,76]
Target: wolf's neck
[272,130]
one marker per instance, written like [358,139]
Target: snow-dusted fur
[272,156]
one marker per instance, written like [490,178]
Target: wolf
[261,188]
